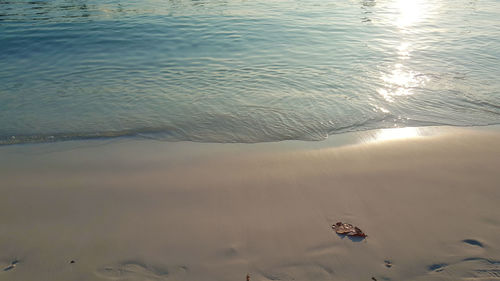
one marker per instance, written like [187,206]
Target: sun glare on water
[396,134]
[402,80]
[409,12]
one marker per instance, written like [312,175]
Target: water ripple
[239,71]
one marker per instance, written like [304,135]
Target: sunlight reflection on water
[244,71]
[402,79]
[410,12]
[396,133]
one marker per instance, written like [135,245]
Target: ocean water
[244,71]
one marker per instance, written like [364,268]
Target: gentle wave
[269,134]
[240,71]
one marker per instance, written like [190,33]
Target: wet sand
[149,210]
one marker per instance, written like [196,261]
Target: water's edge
[339,138]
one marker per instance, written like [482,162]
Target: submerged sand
[150,210]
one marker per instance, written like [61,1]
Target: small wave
[209,135]
[45,138]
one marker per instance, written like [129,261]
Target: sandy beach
[128,209]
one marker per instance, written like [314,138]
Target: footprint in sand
[298,272]
[473,242]
[473,268]
[437,267]
[484,268]
[133,270]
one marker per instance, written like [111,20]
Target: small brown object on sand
[348,229]
[248,277]
[10,267]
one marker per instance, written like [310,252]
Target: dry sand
[149,210]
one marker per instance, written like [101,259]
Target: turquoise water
[244,71]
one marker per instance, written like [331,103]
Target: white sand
[148,210]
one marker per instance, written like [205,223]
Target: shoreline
[340,137]
[153,210]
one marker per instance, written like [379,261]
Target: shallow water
[244,71]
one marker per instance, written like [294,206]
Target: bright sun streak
[401,81]
[397,133]
[409,12]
